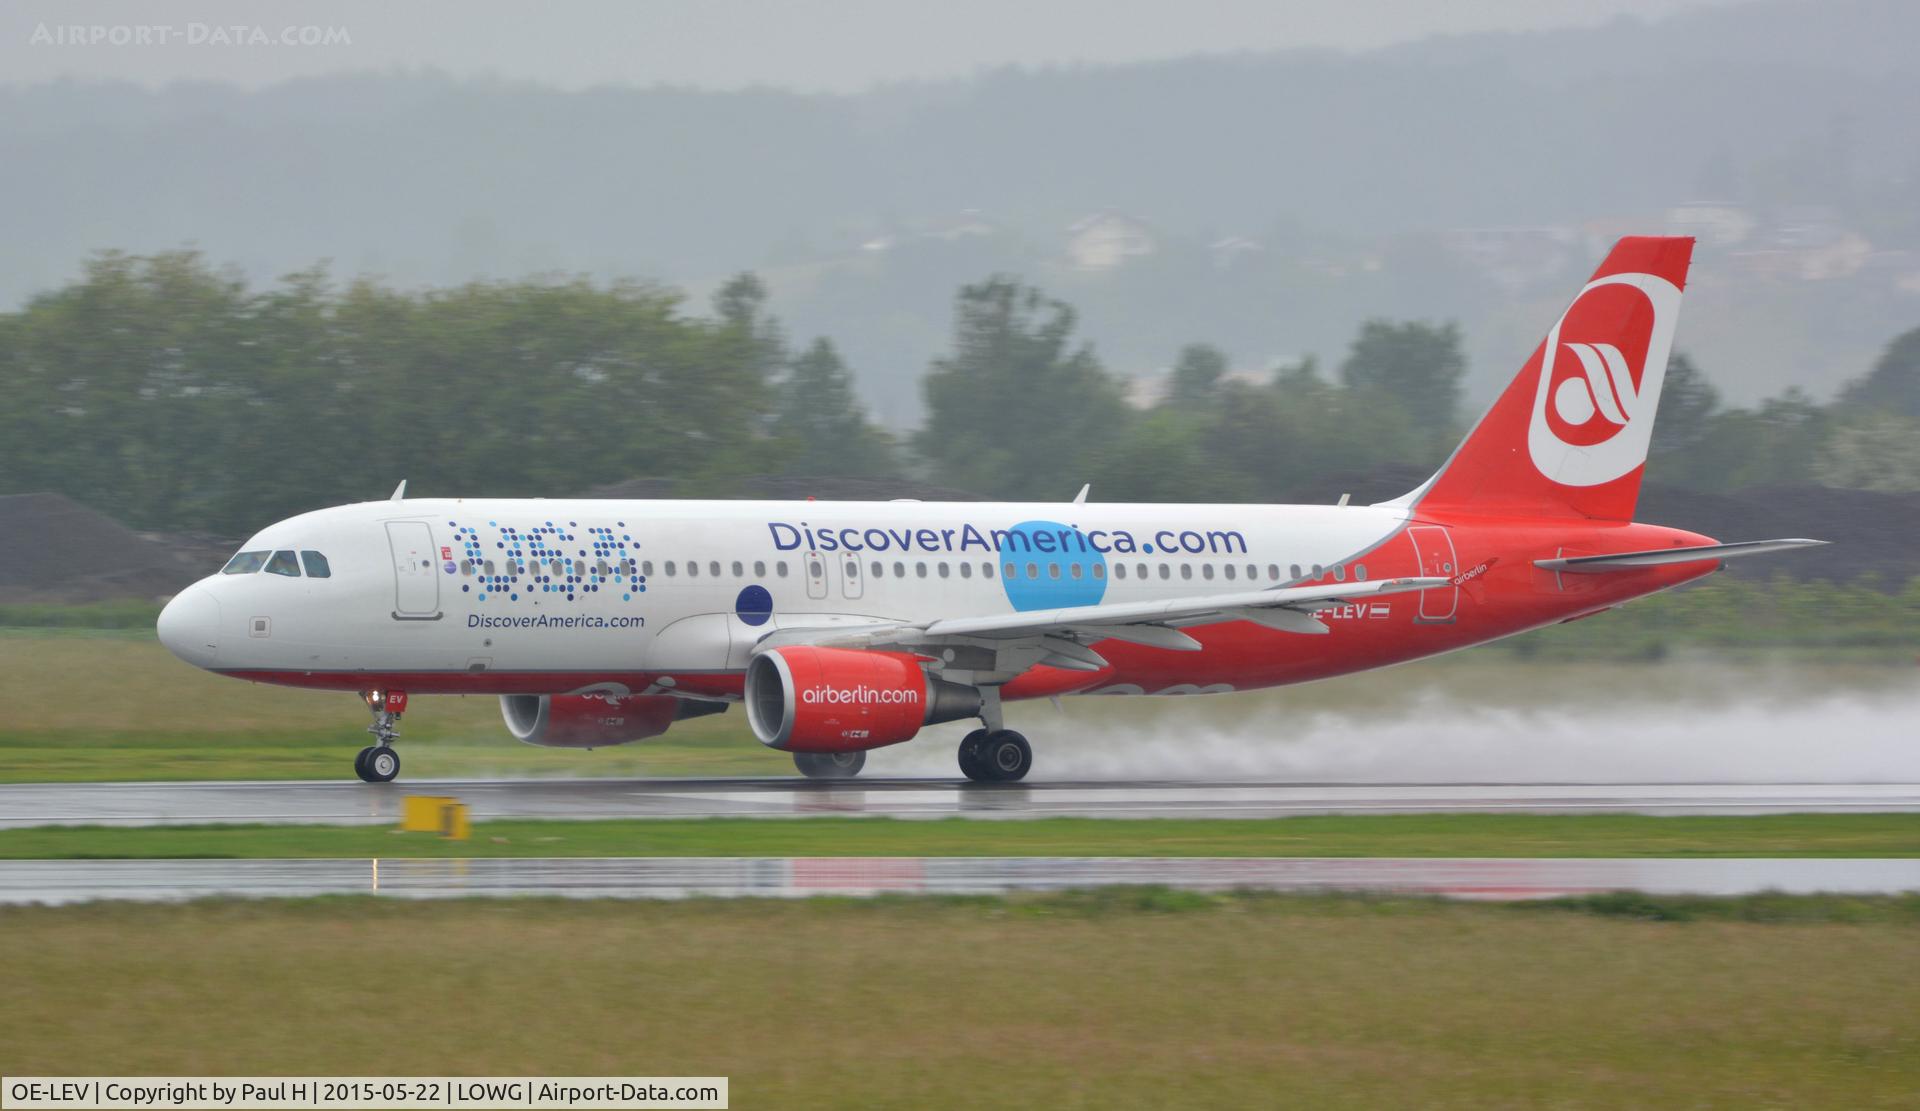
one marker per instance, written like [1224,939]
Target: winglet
[399,492]
[1081,497]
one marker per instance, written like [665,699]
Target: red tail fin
[1569,436]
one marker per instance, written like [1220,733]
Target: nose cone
[190,625]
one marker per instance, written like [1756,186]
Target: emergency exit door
[1434,546]
[416,580]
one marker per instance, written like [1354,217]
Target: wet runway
[65,881]
[348,803]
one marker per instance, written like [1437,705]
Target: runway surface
[351,803]
[65,881]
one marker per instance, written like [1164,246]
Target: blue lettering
[784,545]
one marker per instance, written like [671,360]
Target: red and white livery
[846,626]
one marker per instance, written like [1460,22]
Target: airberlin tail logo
[1600,374]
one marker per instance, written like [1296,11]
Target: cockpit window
[283,563]
[246,563]
[316,565]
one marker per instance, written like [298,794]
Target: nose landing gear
[379,763]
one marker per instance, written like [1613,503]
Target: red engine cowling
[806,699]
[591,721]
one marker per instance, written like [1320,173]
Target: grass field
[1422,835]
[1120,999]
[80,705]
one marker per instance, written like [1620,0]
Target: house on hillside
[1713,223]
[1516,257]
[1108,240]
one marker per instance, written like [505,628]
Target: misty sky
[813,45]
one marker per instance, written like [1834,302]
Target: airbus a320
[848,626]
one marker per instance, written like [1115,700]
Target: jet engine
[807,699]
[592,721]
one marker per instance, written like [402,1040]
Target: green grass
[1113,999]
[1437,835]
[85,705]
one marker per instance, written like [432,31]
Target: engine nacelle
[591,721]
[807,699]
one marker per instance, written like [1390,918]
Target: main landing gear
[995,756]
[379,762]
[829,765]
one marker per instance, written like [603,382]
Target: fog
[1783,732]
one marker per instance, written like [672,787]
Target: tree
[1688,403]
[1197,374]
[822,425]
[1414,366]
[1875,451]
[1016,410]
[1893,385]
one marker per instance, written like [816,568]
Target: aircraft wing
[1058,636]
[1629,561]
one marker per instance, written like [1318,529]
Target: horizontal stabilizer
[1629,561]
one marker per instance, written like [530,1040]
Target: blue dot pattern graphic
[754,606]
[1062,562]
[546,558]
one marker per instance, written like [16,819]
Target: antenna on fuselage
[1081,497]
[399,492]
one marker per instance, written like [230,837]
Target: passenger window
[966,569]
[693,568]
[1012,571]
[1186,570]
[1318,570]
[466,567]
[943,569]
[816,569]
[1339,572]
[780,568]
[853,568]
[1206,571]
[283,563]
[1360,572]
[646,568]
[759,568]
[713,568]
[899,569]
[920,570]
[488,568]
[1073,569]
[877,570]
[986,570]
[1053,570]
[316,565]
[1119,570]
[1033,570]
[739,572]
[669,568]
[1293,571]
[246,563]
[1099,570]
[1232,571]
[600,567]
[1166,572]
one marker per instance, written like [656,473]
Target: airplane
[847,626]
